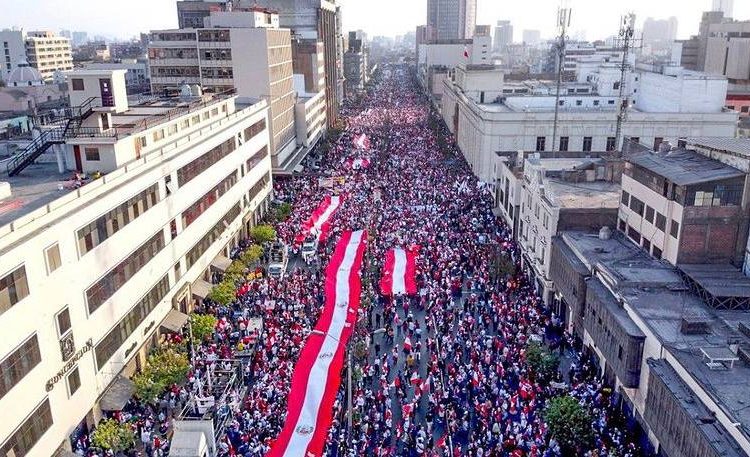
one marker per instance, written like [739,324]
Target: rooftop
[655,292]
[685,168]
[37,186]
[582,195]
[739,146]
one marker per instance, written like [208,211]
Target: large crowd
[439,373]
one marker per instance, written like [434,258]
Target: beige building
[48,53]
[242,50]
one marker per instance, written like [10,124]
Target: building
[356,67]
[308,61]
[78,38]
[451,19]
[13,51]
[532,37]
[242,50]
[694,49]
[579,55]
[728,54]
[191,13]
[678,363]
[48,53]
[659,34]
[310,119]
[94,51]
[725,6]
[93,272]
[503,35]
[489,114]
[137,77]
[27,92]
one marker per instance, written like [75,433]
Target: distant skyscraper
[503,35]
[451,19]
[659,30]
[532,37]
[725,6]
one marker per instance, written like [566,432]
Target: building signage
[69,364]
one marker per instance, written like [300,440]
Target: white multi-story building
[136,76]
[488,114]
[244,50]
[48,53]
[91,271]
[13,51]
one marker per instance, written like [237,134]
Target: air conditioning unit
[67,347]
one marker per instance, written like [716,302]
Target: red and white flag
[399,272]
[362,142]
[319,223]
[317,375]
[356,164]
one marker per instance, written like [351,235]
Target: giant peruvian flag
[399,272]
[319,223]
[317,376]
[362,142]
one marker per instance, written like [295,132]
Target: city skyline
[126,20]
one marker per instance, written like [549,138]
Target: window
[657,142]
[610,102]
[159,135]
[92,154]
[616,85]
[28,433]
[646,245]
[661,222]
[745,109]
[104,288]
[256,158]
[13,288]
[116,337]
[52,256]
[208,199]
[635,139]
[634,235]
[611,143]
[650,214]
[657,252]
[579,102]
[619,352]
[73,381]
[63,322]
[540,143]
[77,84]
[622,226]
[564,143]
[625,198]
[200,247]
[587,142]
[636,205]
[172,129]
[185,123]
[254,129]
[199,165]
[18,364]
[674,230]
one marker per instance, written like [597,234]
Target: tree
[541,361]
[147,388]
[235,270]
[223,293]
[251,255]
[168,366]
[203,325]
[112,435]
[569,423]
[281,212]
[263,234]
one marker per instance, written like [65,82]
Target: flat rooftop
[685,168]
[739,146]
[657,294]
[37,186]
[582,195]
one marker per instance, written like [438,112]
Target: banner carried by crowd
[317,375]
[399,272]
[319,224]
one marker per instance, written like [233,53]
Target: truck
[279,259]
[309,248]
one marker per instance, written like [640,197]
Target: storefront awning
[117,394]
[174,321]
[201,288]
[221,263]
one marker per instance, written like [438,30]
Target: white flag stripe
[319,374]
[399,271]
[335,201]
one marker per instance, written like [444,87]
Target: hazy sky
[124,18]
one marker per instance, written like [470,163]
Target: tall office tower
[532,37]
[503,35]
[451,19]
[725,6]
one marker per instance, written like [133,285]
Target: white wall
[659,93]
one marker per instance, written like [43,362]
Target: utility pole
[627,41]
[563,22]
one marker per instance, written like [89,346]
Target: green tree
[569,423]
[251,255]
[203,325]
[541,361]
[263,234]
[168,366]
[235,270]
[223,293]
[110,434]
[147,388]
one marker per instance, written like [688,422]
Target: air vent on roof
[707,419]
[695,325]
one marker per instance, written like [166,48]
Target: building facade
[356,65]
[451,19]
[503,35]
[13,51]
[48,53]
[87,275]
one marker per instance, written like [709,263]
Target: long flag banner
[319,222]
[362,142]
[399,272]
[317,375]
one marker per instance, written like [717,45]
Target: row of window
[110,283]
[98,231]
[176,71]
[217,72]
[212,235]
[209,198]
[18,364]
[199,165]
[638,239]
[541,143]
[14,287]
[258,187]
[28,433]
[256,158]
[173,53]
[254,129]
[127,325]
[649,214]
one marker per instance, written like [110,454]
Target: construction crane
[627,41]
[563,23]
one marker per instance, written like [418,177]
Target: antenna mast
[563,22]
[627,41]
